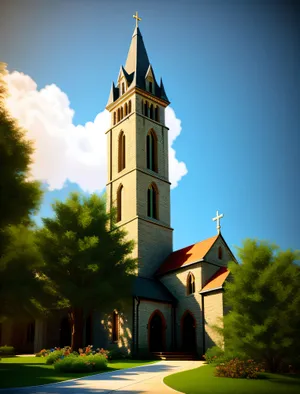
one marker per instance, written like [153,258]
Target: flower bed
[67,360]
[239,369]
[73,363]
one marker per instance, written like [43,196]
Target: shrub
[43,353]
[213,354]
[216,355]
[7,350]
[81,364]
[53,356]
[118,354]
[239,369]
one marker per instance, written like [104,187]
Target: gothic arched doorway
[188,330]
[156,332]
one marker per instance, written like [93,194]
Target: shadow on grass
[21,375]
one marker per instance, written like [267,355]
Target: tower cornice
[135,90]
[146,172]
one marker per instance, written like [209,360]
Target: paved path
[139,380]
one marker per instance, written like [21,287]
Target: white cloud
[177,169]
[64,151]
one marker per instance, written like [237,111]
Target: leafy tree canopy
[264,302]
[24,291]
[87,257]
[19,197]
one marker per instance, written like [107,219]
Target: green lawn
[31,371]
[202,380]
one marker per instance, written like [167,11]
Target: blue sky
[231,72]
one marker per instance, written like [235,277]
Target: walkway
[146,379]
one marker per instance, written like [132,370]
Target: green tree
[87,257]
[264,302]
[19,196]
[24,291]
[19,199]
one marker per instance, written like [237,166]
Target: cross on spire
[217,218]
[137,19]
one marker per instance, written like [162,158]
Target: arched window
[146,108]
[152,151]
[115,326]
[151,111]
[119,115]
[152,202]
[122,151]
[220,253]
[150,87]
[157,113]
[190,285]
[115,116]
[122,115]
[129,106]
[126,109]
[123,87]
[119,203]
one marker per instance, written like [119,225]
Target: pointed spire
[137,59]
[137,70]
[163,94]
[150,72]
[111,97]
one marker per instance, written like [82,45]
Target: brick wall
[213,310]
[176,284]
[146,309]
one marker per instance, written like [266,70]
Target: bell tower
[138,174]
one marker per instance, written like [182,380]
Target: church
[177,295]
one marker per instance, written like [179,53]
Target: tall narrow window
[151,111]
[119,115]
[115,118]
[152,202]
[115,326]
[190,284]
[122,151]
[119,203]
[129,106]
[145,108]
[157,114]
[122,115]
[126,109]
[123,88]
[150,87]
[152,151]
[220,253]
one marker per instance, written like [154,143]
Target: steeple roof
[137,59]
[137,70]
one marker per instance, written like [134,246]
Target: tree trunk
[77,322]
[272,363]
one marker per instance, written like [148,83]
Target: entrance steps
[176,356]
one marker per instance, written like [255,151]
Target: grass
[202,380]
[32,371]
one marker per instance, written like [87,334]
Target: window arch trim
[152,201]
[151,151]
[121,151]
[190,284]
[119,202]
[115,326]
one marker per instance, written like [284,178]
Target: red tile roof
[217,280]
[186,256]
